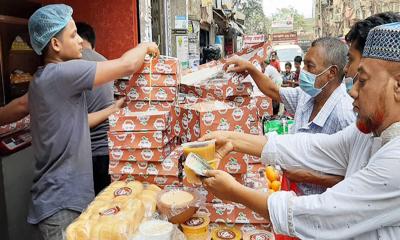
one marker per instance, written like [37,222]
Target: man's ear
[333,72]
[396,78]
[55,44]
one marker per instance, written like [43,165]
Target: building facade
[335,17]
[182,28]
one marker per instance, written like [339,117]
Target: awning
[238,27]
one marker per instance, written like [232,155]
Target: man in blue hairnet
[63,182]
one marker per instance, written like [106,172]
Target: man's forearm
[14,111]
[135,58]
[127,64]
[253,199]
[96,118]
[309,176]
[325,180]
[264,83]
[247,143]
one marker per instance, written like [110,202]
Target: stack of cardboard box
[218,101]
[156,81]
[144,136]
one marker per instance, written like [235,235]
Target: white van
[287,53]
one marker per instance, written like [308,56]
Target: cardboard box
[144,106]
[170,166]
[15,126]
[166,172]
[160,65]
[244,228]
[122,87]
[155,94]
[165,168]
[140,139]
[156,80]
[256,180]
[253,159]
[218,89]
[232,213]
[235,101]
[167,94]
[184,98]
[264,106]
[201,118]
[255,167]
[173,109]
[234,163]
[160,181]
[256,55]
[127,121]
[258,52]
[239,101]
[147,110]
[141,154]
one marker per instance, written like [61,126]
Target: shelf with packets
[22,64]
[15,53]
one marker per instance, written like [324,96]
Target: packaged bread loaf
[116,212]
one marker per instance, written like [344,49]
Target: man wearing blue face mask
[319,105]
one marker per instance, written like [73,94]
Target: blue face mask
[349,81]
[307,82]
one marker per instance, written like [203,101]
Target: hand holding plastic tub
[221,183]
[225,187]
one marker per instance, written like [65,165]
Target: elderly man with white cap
[63,181]
[365,205]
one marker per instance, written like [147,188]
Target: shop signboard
[182,50]
[284,21]
[286,37]
[181,22]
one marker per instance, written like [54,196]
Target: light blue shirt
[336,114]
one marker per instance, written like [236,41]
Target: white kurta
[365,205]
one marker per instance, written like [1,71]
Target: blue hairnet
[46,22]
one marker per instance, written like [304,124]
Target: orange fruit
[271,173]
[276,185]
